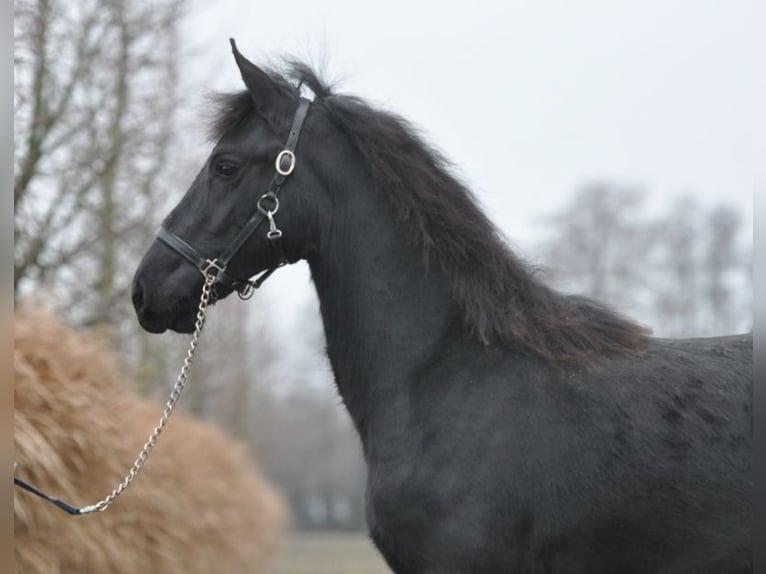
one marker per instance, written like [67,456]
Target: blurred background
[610,142]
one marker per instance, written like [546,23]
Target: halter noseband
[268,205]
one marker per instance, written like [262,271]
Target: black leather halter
[268,205]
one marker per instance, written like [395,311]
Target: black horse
[506,427]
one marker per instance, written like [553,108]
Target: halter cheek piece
[268,205]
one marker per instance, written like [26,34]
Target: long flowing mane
[502,300]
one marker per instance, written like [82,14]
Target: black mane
[502,300]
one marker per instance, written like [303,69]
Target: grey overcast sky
[529,99]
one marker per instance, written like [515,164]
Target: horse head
[255,204]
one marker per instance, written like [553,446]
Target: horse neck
[383,310]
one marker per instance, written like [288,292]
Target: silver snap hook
[274,232]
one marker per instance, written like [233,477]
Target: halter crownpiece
[268,205]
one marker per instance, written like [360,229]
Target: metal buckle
[289,154]
[214,266]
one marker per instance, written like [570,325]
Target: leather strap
[260,216]
[180,246]
[284,167]
[191,255]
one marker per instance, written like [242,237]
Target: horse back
[672,481]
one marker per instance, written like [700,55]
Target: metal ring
[289,170]
[246,291]
[271,196]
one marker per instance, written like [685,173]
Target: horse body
[506,427]
[501,464]
[486,459]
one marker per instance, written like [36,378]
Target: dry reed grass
[200,505]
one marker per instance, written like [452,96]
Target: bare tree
[684,272]
[726,265]
[600,242]
[233,370]
[95,94]
[299,431]
[678,289]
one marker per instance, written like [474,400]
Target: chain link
[205,298]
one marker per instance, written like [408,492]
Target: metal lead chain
[207,293]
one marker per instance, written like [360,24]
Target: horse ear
[260,85]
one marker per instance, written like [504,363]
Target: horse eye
[226,169]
